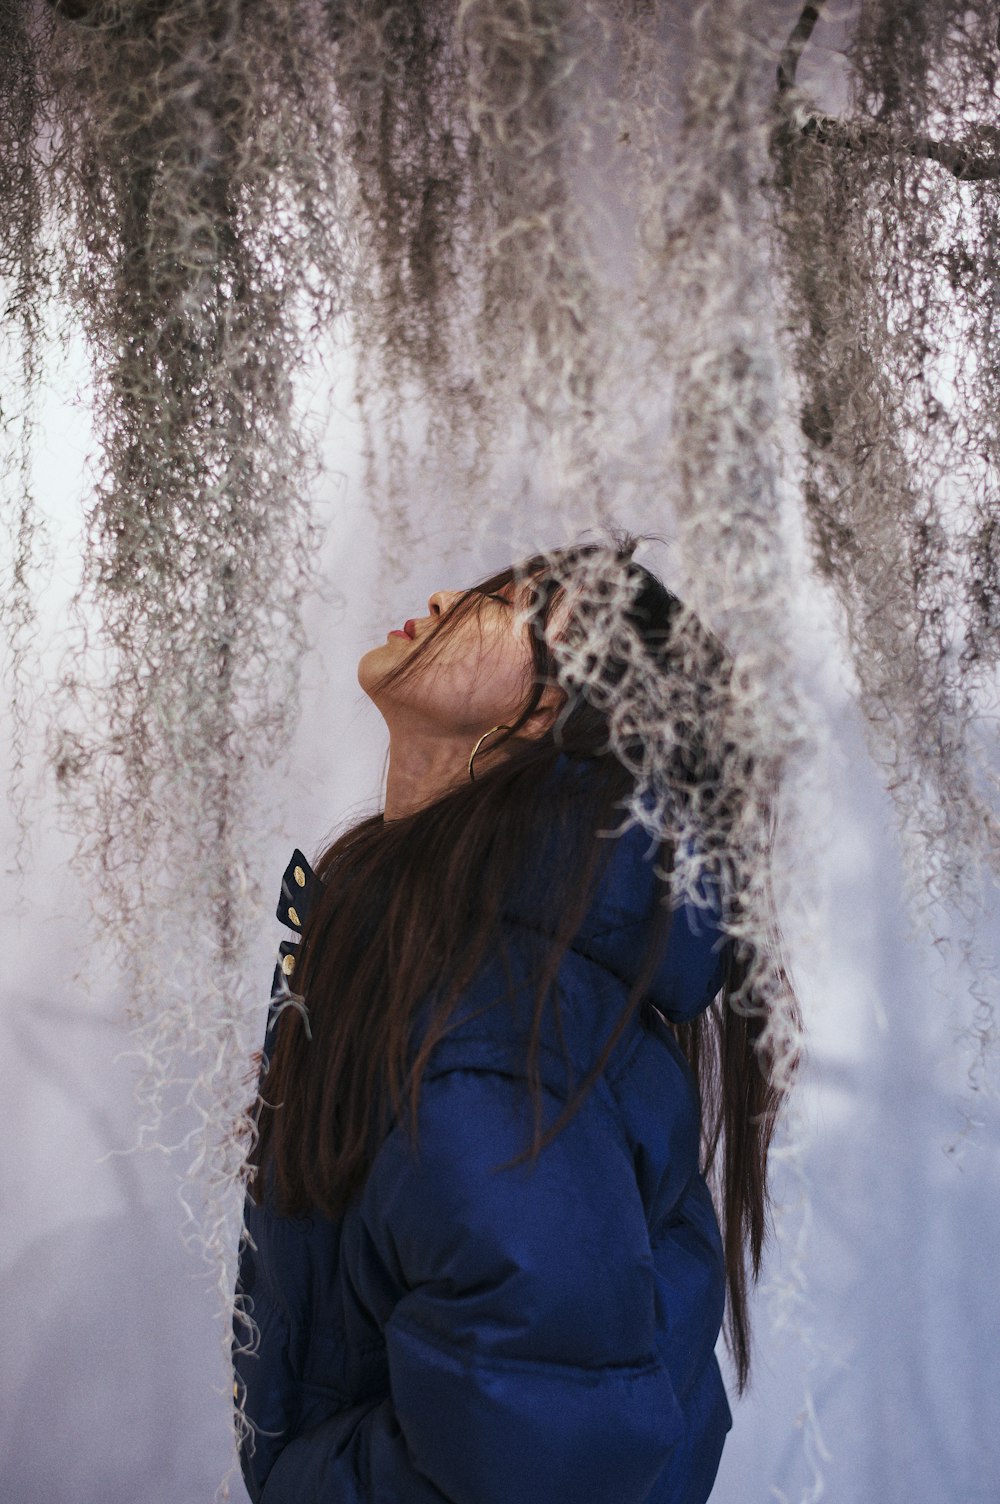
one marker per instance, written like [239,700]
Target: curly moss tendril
[889,228]
[167,181]
[24,278]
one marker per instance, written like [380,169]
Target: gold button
[288,965]
[300,877]
[293,916]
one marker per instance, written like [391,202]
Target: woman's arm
[522,1358]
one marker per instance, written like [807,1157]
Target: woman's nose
[442,600]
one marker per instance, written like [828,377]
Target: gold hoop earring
[472,776]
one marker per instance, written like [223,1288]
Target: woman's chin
[378,661]
[369,665]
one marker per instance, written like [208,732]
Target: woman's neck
[422,767]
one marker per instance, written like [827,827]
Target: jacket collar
[617,929]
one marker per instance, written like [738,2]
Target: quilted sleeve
[522,1356]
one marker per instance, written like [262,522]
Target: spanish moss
[888,228]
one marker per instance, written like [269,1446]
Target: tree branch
[961,161]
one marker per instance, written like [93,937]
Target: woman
[429,1307]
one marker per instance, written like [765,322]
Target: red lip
[407,631]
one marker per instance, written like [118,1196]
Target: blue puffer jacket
[545,1334]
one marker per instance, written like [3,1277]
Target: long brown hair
[408,909]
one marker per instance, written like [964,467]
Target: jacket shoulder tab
[299,885]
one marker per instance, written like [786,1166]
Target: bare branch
[961,161]
[801,32]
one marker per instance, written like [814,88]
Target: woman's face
[478,678]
